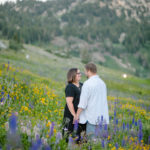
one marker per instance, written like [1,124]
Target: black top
[72,90]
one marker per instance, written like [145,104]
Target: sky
[3,1]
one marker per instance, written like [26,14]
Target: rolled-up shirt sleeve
[84,97]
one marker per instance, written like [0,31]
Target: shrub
[15,45]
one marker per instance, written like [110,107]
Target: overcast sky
[3,1]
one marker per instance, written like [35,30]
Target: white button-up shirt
[93,101]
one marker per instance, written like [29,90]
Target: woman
[72,93]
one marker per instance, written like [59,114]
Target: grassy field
[48,65]
[32,103]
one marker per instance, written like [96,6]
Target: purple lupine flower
[115,102]
[37,144]
[89,147]
[96,132]
[115,113]
[70,141]
[8,96]
[99,128]
[115,129]
[2,87]
[34,146]
[100,125]
[116,145]
[2,93]
[105,134]
[3,65]
[135,123]
[47,147]
[123,143]
[15,97]
[2,99]
[58,137]
[133,120]
[140,125]
[76,125]
[105,127]
[13,123]
[102,118]
[139,121]
[31,106]
[140,136]
[52,129]
[110,117]
[123,126]
[103,144]
[8,68]
[149,140]
[116,121]
[127,126]
[8,147]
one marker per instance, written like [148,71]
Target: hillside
[113,33]
[45,64]
[32,101]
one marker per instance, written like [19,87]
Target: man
[93,101]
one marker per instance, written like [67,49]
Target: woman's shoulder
[69,85]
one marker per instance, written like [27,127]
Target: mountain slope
[45,64]
[110,31]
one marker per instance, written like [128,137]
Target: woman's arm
[69,101]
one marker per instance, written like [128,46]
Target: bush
[85,56]
[15,45]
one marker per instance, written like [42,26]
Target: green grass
[53,67]
[112,63]
[44,73]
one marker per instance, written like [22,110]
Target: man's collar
[94,76]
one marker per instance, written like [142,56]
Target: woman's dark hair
[71,75]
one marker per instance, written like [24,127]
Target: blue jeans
[90,131]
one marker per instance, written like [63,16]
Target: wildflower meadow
[31,113]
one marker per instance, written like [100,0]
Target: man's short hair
[91,67]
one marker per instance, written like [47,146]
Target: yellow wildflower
[48,124]
[114,148]
[54,130]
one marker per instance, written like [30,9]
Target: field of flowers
[31,113]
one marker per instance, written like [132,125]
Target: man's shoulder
[86,82]
[102,83]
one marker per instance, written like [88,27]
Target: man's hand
[75,118]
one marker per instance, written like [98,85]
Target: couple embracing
[85,103]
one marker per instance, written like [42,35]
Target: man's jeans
[90,131]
